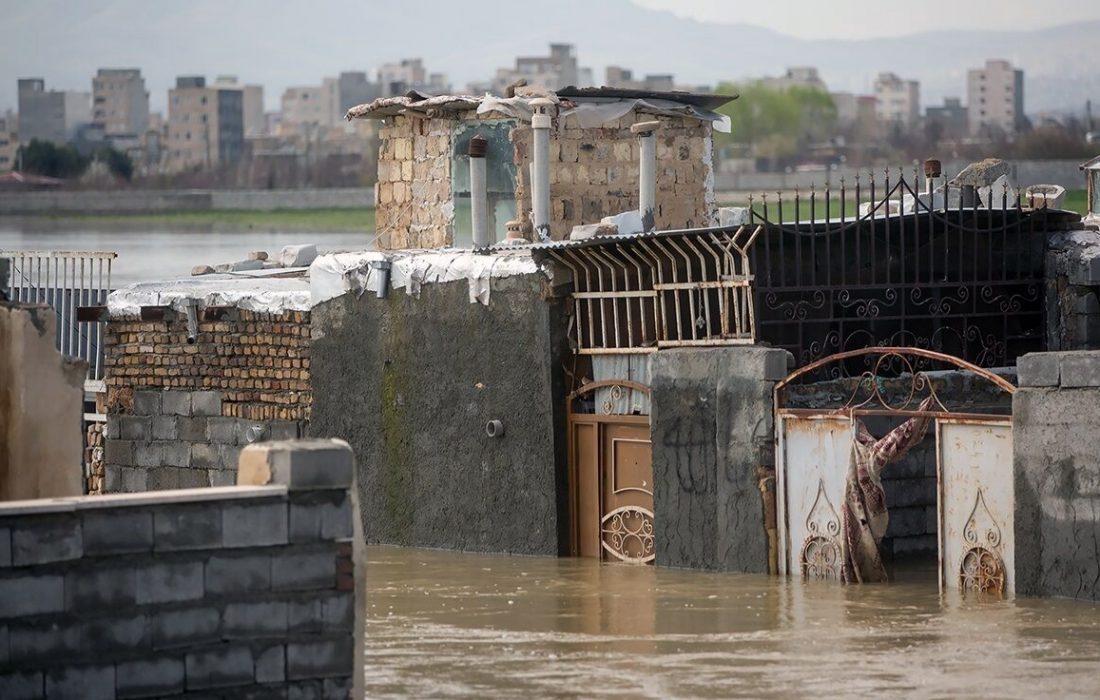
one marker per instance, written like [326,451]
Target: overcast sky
[853,19]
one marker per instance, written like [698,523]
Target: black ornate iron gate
[962,277]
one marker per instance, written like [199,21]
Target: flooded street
[452,624]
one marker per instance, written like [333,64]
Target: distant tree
[118,163]
[51,160]
[778,123]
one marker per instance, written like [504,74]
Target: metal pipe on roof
[540,181]
[647,172]
[479,197]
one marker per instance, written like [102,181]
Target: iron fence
[956,271]
[65,280]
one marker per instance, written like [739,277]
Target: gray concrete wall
[1055,419]
[41,407]
[713,445]
[153,201]
[235,592]
[411,382]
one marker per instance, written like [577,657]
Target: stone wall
[178,413]
[234,592]
[1073,291]
[594,172]
[414,183]
[41,405]
[411,383]
[1055,416]
[714,456]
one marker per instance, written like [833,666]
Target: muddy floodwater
[445,624]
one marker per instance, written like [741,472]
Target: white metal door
[814,455]
[975,505]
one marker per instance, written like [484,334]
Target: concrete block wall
[1055,421]
[232,592]
[178,413]
[1072,291]
[713,448]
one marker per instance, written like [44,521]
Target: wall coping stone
[1067,369]
[144,498]
[299,464]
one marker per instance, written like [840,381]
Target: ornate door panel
[814,455]
[976,506]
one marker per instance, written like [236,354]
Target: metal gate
[611,472]
[974,474]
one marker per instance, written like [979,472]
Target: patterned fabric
[865,514]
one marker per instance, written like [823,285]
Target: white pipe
[540,182]
[479,202]
[647,173]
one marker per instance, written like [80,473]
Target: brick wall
[414,183]
[235,592]
[178,413]
[593,174]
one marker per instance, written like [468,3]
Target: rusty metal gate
[974,474]
[611,472]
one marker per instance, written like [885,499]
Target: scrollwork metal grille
[626,534]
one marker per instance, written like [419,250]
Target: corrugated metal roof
[700,100]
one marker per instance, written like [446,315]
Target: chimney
[540,176]
[647,172]
[479,198]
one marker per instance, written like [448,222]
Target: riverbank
[355,220]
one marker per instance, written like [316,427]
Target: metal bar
[940,415]
[619,295]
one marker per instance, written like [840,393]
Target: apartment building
[120,102]
[897,101]
[50,115]
[995,99]
[205,124]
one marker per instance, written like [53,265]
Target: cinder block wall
[1055,421]
[178,413]
[234,592]
[1073,291]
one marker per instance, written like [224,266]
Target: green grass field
[279,220]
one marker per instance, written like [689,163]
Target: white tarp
[336,274]
[591,115]
[249,293]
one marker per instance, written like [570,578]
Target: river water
[445,624]
[152,254]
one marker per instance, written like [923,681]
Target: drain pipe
[192,311]
[540,180]
[647,172]
[932,170]
[479,204]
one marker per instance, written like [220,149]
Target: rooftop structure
[424,186]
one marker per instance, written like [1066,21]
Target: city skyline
[279,58]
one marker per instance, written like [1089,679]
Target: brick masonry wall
[178,413]
[236,592]
[594,172]
[414,207]
[1055,418]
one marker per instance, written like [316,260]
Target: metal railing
[957,271]
[65,280]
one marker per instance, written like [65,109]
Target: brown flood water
[445,624]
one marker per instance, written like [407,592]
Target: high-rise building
[120,103]
[897,100]
[995,99]
[557,70]
[205,124]
[314,105]
[410,74]
[50,115]
[9,141]
[951,118]
[252,101]
[353,88]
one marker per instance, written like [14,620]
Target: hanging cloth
[865,514]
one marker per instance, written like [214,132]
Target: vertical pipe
[540,182]
[479,203]
[647,172]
